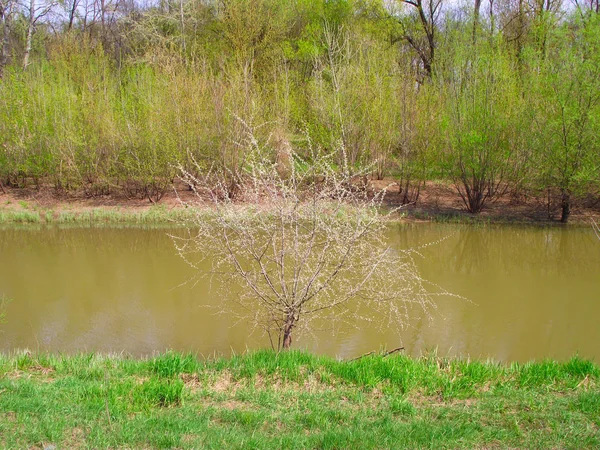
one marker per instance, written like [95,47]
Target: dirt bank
[436,202]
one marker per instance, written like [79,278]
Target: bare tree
[307,244]
[587,6]
[71,9]
[423,41]
[36,12]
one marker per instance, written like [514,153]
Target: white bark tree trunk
[29,40]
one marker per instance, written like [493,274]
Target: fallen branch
[361,356]
[383,355]
[391,352]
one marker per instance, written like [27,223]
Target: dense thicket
[108,96]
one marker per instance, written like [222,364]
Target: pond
[527,293]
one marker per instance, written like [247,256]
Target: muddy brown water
[533,293]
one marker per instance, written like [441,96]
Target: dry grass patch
[191,381]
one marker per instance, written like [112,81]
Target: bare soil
[440,201]
[436,201]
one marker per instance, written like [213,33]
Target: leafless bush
[306,242]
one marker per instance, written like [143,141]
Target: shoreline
[437,203]
[295,400]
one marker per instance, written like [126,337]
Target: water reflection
[532,293]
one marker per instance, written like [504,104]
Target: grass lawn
[295,400]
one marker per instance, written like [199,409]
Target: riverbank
[437,202]
[67,214]
[295,400]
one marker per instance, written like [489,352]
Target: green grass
[19,217]
[295,400]
[160,214]
[97,216]
[458,217]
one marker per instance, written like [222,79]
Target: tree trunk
[287,332]
[492,19]
[521,32]
[4,13]
[476,19]
[29,41]
[102,16]
[72,13]
[565,203]
[474,193]
[427,19]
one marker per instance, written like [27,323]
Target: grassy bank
[295,400]
[162,214]
[96,216]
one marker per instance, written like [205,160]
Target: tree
[6,11]
[70,8]
[480,123]
[355,96]
[252,30]
[587,7]
[307,244]
[420,28]
[476,14]
[565,106]
[35,13]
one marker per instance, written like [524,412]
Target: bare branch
[306,243]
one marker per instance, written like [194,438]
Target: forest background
[496,99]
